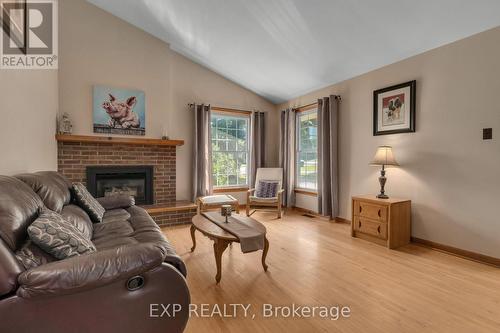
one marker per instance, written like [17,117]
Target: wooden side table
[386,222]
[216,201]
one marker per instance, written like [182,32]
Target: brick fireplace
[79,154]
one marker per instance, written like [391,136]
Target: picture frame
[394,109]
[119,111]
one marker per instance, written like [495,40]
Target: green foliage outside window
[307,150]
[229,150]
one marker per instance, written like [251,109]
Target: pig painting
[119,111]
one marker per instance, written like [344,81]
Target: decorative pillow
[89,204]
[31,255]
[58,237]
[267,189]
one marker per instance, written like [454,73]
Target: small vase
[225,211]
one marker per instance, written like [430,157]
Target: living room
[354,160]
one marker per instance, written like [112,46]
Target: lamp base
[382,179]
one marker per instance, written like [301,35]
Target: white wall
[28,108]
[447,170]
[99,48]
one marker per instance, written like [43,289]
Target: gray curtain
[287,154]
[202,151]
[257,144]
[328,109]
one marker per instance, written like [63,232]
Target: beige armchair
[254,202]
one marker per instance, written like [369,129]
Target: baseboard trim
[325,218]
[481,258]
[339,219]
[484,259]
[310,212]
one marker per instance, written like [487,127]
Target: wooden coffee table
[222,239]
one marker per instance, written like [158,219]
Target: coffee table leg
[264,254]
[193,229]
[219,247]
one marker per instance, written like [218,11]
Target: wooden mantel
[117,140]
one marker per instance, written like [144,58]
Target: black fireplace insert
[136,180]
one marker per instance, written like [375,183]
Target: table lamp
[383,157]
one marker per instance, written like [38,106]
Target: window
[307,150]
[229,150]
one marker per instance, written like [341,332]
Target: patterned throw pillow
[267,189]
[89,204]
[58,237]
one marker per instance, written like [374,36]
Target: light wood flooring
[315,262]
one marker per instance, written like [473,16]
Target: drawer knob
[378,229]
[359,224]
[360,209]
[379,213]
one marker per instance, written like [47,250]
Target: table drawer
[370,227]
[370,210]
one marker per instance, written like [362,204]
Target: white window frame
[298,151]
[237,116]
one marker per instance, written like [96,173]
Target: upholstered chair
[255,202]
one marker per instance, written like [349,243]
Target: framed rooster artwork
[119,111]
[394,109]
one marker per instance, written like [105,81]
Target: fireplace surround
[77,152]
[136,180]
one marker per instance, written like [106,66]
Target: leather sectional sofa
[113,289]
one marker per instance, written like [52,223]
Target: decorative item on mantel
[165,134]
[383,157]
[225,210]
[64,125]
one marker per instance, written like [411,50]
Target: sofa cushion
[52,187]
[116,201]
[79,219]
[58,237]
[86,201]
[133,226]
[115,215]
[9,270]
[30,255]
[19,206]
[257,200]
[115,230]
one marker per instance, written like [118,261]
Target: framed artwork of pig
[119,111]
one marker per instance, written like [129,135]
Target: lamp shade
[384,156]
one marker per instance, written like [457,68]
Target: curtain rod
[315,103]
[191,104]
[221,108]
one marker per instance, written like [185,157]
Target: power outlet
[487,133]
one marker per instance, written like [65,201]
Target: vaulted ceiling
[281,49]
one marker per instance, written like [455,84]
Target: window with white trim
[307,150]
[230,149]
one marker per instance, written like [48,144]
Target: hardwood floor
[317,263]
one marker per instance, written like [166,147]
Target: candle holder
[225,210]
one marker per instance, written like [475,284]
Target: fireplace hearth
[103,181]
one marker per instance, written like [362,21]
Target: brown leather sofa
[134,272]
